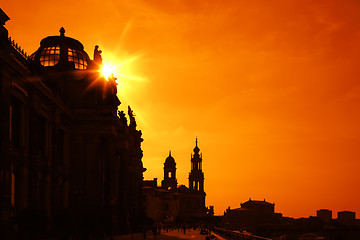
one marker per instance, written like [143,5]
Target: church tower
[169,181]
[196,176]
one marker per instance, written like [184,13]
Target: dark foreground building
[70,162]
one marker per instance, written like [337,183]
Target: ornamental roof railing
[18,48]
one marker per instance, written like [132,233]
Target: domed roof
[170,161]
[59,53]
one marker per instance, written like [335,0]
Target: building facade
[70,161]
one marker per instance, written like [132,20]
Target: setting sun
[107,70]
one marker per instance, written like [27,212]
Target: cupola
[59,53]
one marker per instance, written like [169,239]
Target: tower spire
[196,176]
[196,149]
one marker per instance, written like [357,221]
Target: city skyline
[270,90]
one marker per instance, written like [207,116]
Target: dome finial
[170,153]
[196,141]
[62,32]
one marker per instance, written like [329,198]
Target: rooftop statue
[132,117]
[97,55]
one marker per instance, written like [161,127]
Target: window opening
[50,56]
[77,58]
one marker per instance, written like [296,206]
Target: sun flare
[107,70]
[123,69]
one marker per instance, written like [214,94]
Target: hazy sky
[270,88]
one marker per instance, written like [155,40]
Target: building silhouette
[177,202]
[324,214]
[252,214]
[346,217]
[259,218]
[70,162]
[196,176]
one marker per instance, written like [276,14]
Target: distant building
[252,214]
[324,214]
[346,216]
[170,201]
[68,157]
[259,207]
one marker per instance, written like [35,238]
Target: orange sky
[271,89]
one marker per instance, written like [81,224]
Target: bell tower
[196,176]
[169,181]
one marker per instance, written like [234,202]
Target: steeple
[196,176]
[196,149]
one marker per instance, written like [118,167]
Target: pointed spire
[196,149]
[170,153]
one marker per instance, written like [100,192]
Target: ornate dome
[170,161]
[59,53]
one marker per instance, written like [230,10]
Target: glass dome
[59,53]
